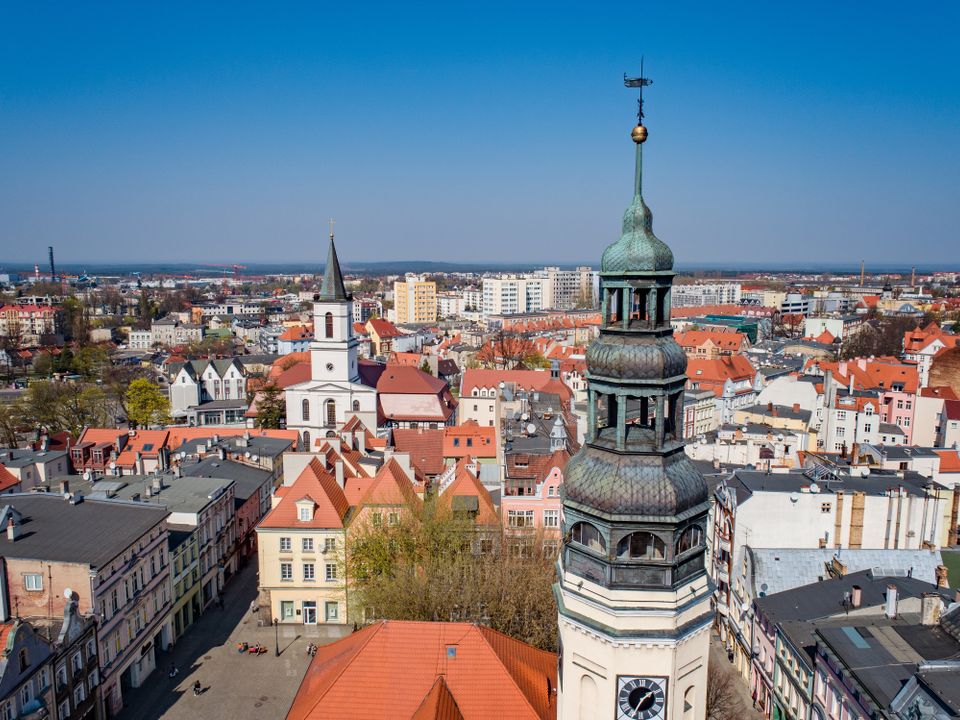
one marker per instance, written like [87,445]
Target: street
[235,685]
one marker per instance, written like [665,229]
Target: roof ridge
[482,630]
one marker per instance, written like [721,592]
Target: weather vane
[638,82]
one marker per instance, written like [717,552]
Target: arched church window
[641,546]
[356,406]
[305,410]
[331,411]
[690,538]
[588,698]
[583,533]
[306,441]
[328,325]
[689,703]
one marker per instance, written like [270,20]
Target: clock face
[641,698]
[329,367]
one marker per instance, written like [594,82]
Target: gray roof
[890,429]
[21,457]
[780,411]
[779,569]
[220,405]
[876,483]
[91,532]
[248,480]
[187,495]
[825,599]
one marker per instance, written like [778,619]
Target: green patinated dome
[638,249]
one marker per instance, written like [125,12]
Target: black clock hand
[643,697]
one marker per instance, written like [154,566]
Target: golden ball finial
[639,134]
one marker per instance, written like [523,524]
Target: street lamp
[276,633]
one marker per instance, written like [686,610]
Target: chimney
[156,483]
[141,470]
[942,576]
[930,608]
[338,470]
[362,442]
[222,453]
[13,529]
[64,486]
[177,472]
[890,610]
[769,407]
[856,594]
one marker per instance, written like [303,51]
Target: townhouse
[113,556]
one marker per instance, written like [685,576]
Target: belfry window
[583,533]
[639,308]
[690,538]
[328,325]
[641,546]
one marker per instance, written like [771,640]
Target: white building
[334,392]
[698,294]
[572,288]
[512,294]
[209,392]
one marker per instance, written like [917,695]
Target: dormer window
[304,513]
[305,509]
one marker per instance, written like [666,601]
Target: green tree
[89,360]
[146,404]
[12,423]
[425,367]
[271,407]
[68,406]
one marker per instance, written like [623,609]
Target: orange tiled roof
[439,704]
[522,379]
[101,435]
[401,379]
[145,442]
[949,460]
[408,359]
[391,670]
[469,439]
[314,483]
[297,332]
[732,341]
[466,484]
[391,486]
[728,367]
[7,481]
[384,329]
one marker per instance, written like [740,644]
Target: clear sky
[231,132]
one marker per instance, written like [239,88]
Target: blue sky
[225,132]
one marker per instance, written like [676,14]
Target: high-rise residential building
[633,595]
[572,288]
[699,294]
[415,300]
[511,294]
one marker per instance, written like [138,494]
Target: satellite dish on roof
[794,497]
[502,385]
[531,429]
[246,454]
[814,488]
[764,587]
[525,417]
[255,458]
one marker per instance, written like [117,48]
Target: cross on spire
[638,82]
[332,223]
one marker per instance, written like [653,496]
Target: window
[841,431]
[25,695]
[393,518]
[93,679]
[33,581]
[307,544]
[331,408]
[64,710]
[309,572]
[286,609]
[305,514]
[867,427]
[76,663]
[329,544]
[690,538]
[305,410]
[91,649]
[520,518]
[286,571]
[377,519]
[24,659]
[583,533]
[330,572]
[44,679]
[551,518]
[79,694]
[641,545]
[551,491]
[285,545]
[61,676]
[356,406]
[899,404]
[328,325]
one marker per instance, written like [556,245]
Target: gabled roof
[383,328]
[732,341]
[145,442]
[520,379]
[439,704]
[391,669]
[469,439]
[949,461]
[297,332]
[391,486]
[468,485]
[401,379]
[316,484]
[7,479]
[719,370]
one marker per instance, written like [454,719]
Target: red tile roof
[949,461]
[297,332]
[466,484]
[730,341]
[146,442]
[8,480]
[424,446]
[391,669]
[384,329]
[314,483]
[520,379]
[401,379]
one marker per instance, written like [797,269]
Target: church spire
[333,288]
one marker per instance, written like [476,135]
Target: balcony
[722,608]
[723,543]
[721,573]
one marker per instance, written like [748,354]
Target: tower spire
[333,288]
[639,132]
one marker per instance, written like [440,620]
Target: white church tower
[334,392]
[632,591]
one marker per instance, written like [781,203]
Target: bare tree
[723,702]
